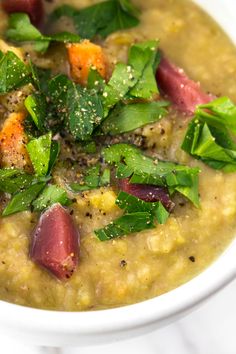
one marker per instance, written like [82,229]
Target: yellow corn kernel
[103,200]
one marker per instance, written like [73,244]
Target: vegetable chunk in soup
[117,150]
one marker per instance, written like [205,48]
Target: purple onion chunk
[33,8]
[55,242]
[184,93]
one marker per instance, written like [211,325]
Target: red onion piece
[34,8]
[183,92]
[147,192]
[55,243]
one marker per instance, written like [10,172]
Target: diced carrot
[13,142]
[83,56]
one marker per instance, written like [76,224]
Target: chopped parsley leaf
[13,73]
[21,30]
[39,150]
[209,135]
[100,19]
[23,199]
[50,195]
[126,224]
[125,118]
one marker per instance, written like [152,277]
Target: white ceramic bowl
[85,328]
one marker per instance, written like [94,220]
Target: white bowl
[55,328]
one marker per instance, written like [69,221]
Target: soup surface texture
[149,263]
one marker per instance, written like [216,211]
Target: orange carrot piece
[83,56]
[13,142]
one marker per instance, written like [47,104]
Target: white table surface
[209,330]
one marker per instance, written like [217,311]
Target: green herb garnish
[54,153]
[58,88]
[92,180]
[22,200]
[13,73]
[36,106]
[105,178]
[125,225]
[95,81]
[50,195]
[40,77]
[125,118]
[39,150]
[100,19]
[85,112]
[82,108]
[135,80]
[124,77]
[132,204]
[90,147]
[144,59]
[209,135]
[13,180]
[21,30]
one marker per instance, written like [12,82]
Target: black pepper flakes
[162,131]
[123,263]
[192,258]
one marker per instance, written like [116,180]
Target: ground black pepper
[123,263]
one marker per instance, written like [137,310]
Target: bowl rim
[158,309]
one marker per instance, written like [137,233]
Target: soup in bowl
[117,166]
